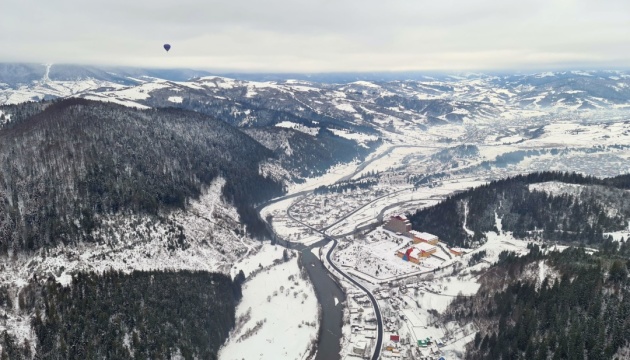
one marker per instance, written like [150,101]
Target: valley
[334,162]
[357,203]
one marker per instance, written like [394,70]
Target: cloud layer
[321,35]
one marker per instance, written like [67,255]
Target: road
[379,217]
[359,208]
[377,311]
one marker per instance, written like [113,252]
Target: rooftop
[427,236]
[425,247]
[400,217]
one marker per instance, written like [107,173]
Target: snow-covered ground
[278,315]
[45,88]
[299,127]
[264,257]
[358,137]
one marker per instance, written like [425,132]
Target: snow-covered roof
[425,247]
[427,236]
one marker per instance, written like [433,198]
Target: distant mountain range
[362,106]
[313,125]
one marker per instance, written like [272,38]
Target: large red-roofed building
[399,224]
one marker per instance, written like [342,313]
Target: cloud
[315,36]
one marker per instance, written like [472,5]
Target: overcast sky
[320,35]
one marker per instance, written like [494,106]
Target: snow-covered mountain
[33,82]
[326,114]
[360,108]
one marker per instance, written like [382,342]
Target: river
[326,289]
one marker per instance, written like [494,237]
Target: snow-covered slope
[136,242]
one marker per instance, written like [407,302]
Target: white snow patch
[176,99]
[299,127]
[262,258]
[115,100]
[279,314]
[366,84]
[345,107]
[358,137]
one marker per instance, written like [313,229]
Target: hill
[76,160]
[601,205]
[550,305]
[141,315]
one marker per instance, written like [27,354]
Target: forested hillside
[142,315]
[571,218]
[309,155]
[76,159]
[580,310]
[254,105]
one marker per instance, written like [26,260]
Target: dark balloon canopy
[167,47]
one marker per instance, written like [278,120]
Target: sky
[320,35]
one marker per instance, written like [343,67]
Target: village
[403,269]
[409,271]
[324,210]
[412,274]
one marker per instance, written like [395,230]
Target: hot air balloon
[167,47]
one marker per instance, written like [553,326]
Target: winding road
[327,238]
[377,311]
[379,321]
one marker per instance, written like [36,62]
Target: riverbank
[279,315]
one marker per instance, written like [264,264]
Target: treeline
[141,315]
[528,213]
[456,152]
[582,313]
[77,159]
[348,186]
[15,113]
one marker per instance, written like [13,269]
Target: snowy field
[277,317]
[263,258]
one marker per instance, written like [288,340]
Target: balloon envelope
[167,47]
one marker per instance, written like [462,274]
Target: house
[424,342]
[424,237]
[456,251]
[394,338]
[398,224]
[359,348]
[415,235]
